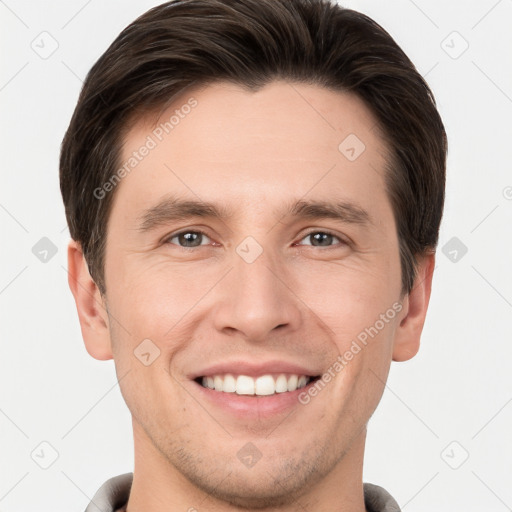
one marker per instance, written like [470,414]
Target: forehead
[222,142]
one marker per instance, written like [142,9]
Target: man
[254,190]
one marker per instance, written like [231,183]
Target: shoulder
[377,499]
[112,495]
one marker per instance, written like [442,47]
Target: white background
[457,389]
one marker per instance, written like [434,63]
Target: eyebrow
[172,209]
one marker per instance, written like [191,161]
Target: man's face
[262,292]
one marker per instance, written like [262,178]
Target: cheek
[349,297]
[154,299]
[159,306]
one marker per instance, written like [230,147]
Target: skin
[298,302]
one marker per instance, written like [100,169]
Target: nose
[257,300]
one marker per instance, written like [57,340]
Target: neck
[159,486]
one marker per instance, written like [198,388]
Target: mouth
[262,385]
[254,391]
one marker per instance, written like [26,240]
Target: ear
[415,304]
[90,305]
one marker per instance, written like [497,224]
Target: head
[253,184]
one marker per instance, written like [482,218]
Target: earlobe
[415,305]
[90,305]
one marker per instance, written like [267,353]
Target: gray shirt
[112,496]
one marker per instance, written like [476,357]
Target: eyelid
[167,238]
[343,239]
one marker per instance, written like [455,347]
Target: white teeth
[208,382]
[217,382]
[229,384]
[244,385]
[262,386]
[265,385]
[302,382]
[281,384]
[292,383]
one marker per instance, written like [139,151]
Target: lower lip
[254,406]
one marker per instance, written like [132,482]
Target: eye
[187,239]
[323,239]
[194,238]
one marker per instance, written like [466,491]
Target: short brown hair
[251,42]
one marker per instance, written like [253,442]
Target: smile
[263,385]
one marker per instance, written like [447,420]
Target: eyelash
[198,231]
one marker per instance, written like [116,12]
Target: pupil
[325,236]
[190,239]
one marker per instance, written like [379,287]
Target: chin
[248,493]
[269,483]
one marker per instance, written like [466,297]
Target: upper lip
[252,369]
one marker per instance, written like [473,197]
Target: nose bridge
[257,299]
